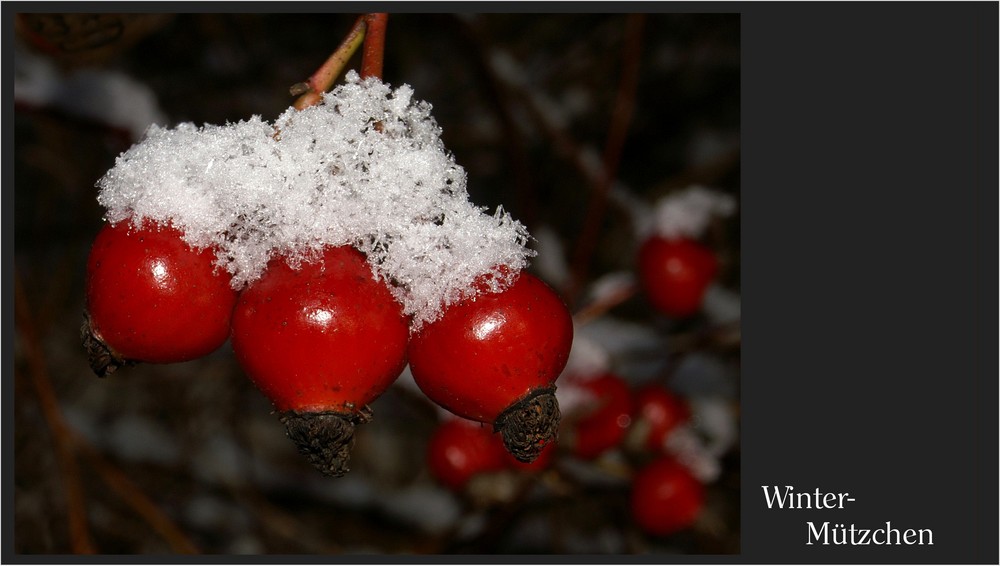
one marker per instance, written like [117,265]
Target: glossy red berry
[494,359]
[150,297]
[607,418]
[665,497]
[321,341]
[460,449]
[658,412]
[675,274]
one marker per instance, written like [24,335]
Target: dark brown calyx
[529,424]
[325,438]
[103,360]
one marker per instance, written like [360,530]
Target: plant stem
[594,310]
[312,90]
[80,539]
[620,120]
[373,52]
[69,444]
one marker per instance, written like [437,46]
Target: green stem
[312,90]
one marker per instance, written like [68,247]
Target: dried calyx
[530,424]
[325,438]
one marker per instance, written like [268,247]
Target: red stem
[373,51]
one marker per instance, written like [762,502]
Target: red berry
[605,425]
[675,274]
[152,298]
[494,359]
[321,341]
[665,497]
[460,449]
[657,413]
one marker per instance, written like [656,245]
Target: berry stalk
[373,52]
[368,30]
[312,90]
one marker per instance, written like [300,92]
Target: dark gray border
[869,196]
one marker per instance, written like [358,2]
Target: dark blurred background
[188,457]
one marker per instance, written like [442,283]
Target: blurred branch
[499,97]
[621,118]
[604,304]
[723,336]
[281,523]
[69,443]
[135,498]
[81,541]
[510,81]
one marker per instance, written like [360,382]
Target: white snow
[325,176]
[721,305]
[687,213]
[588,357]
[550,263]
[104,95]
[611,285]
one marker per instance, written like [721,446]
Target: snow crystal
[573,398]
[587,358]
[366,168]
[687,213]
[635,351]
[550,263]
[690,450]
[721,305]
[611,285]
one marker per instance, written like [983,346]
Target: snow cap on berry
[366,168]
[688,213]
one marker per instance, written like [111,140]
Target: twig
[606,303]
[373,52]
[134,497]
[280,522]
[499,96]
[368,29]
[617,132]
[584,158]
[312,90]
[581,157]
[69,443]
[81,541]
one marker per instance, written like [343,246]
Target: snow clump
[688,213]
[365,168]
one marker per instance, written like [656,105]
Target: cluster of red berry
[323,337]
[665,495]
[460,449]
